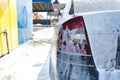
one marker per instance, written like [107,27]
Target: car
[54,22]
[88,42]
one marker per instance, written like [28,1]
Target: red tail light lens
[72,37]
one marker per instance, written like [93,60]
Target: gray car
[88,44]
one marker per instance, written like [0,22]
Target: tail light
[72,37]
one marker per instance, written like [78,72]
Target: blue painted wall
[25,23]
[41,0]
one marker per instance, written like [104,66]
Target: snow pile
[44,34]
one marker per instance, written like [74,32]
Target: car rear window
[81,6]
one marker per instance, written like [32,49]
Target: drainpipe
[5,33]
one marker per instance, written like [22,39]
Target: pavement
[29,61]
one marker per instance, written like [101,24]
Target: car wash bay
[27,54]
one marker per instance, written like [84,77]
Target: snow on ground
[29,61]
